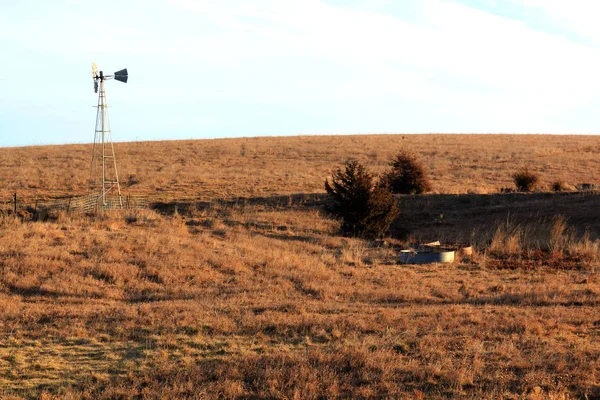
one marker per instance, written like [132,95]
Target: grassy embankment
[263,298]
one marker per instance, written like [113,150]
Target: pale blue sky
[232,68]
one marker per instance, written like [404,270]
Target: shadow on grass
[505,299]
[292,201]
[465,217]
[36,291]
[429,217]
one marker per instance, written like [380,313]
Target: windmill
[104,178]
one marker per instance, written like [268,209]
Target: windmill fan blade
[94,70]
[96,87]
[121,75]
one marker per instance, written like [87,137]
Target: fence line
[77,204]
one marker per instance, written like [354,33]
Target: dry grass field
[241,287]
[260,167]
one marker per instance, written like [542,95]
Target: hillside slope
[242,286]
[250,167]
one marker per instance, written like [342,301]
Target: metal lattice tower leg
[104,177]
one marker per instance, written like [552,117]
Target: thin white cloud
[458,67]
[578,16]
[524,74]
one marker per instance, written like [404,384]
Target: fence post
[69,205]
[15,201]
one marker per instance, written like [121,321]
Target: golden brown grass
[269,302]
[261,298]
[254,167]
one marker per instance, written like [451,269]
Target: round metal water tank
[427,257]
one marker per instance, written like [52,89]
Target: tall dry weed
[559,235]
[586,249]
[507,240]
[555,236]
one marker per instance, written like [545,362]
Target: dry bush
[407,174]
[525,180]
[559,186]
[131,180]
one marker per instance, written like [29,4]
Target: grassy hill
[242,287]
[254,167]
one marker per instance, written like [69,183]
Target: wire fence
[42,208]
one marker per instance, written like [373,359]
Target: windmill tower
[104,177]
